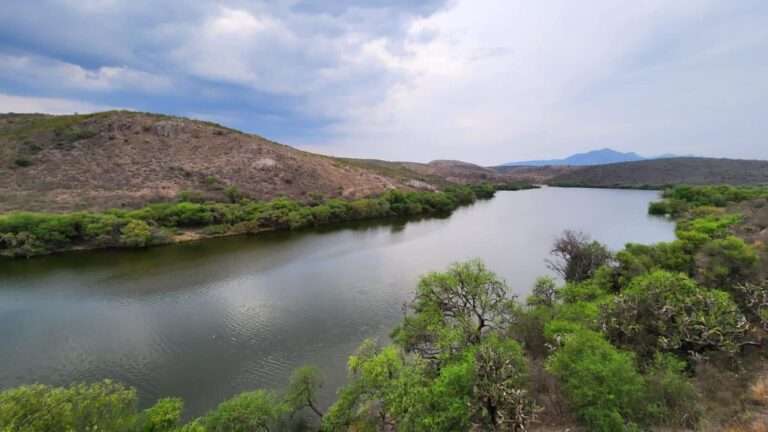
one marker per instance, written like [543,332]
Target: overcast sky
[486,81]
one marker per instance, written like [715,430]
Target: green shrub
[636,260]
[672,400]
[103,406]
[665,311]
[726,262]
[163,416]
[600,382]
[136,234]
[247,412]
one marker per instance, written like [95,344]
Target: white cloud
[480,80]
[24,104]
[504,80]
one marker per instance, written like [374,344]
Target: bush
[103,406]
[600,382]
[672,398]
[163,416]
[136,234]
[664,311]
[247,412]
[636,260]
[726,262]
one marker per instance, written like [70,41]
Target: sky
[485,81]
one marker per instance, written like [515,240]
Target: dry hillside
[126,159]
[661,172]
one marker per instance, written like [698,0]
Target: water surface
[209,319]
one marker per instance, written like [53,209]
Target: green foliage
[453,309]
[544,291]
[671,397]
[601,382]
[726,262]
[302,389]
[103,406]
[636,260]
[664,311]
[717,196]
[136,234]
[21,244]
[247,412]
[163,416]
[27,234]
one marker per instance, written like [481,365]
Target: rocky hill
[662,172]
[127,159]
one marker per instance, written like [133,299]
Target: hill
[594,157]
[662,172]
[128,159]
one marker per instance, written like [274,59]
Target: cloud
[45,71]
[504,80]
[480,80]
[22,104]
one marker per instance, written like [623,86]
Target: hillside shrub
[665,311]
[600,382]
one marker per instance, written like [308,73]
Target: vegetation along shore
[664,336]
[26,234]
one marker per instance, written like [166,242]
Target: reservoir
[206,320]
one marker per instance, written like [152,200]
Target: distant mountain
[594,157]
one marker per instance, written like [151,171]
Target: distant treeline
[25,234]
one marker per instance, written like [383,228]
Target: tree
[577,257]
[102,406]
[163,416]
[303,387]
[600,382]
[379,378]
[247,412]
[454,309]
[670,312]
[544,291]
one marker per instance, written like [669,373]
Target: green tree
[302,391]
[247,412]
[670,312]
[544,291]
[102,406]
[163,416]
[454,308]
[601,383]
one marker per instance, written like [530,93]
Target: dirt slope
[662,172]
[127,159]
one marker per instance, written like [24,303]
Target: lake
[206,320]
